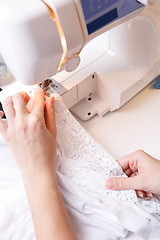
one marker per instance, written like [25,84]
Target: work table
[136,125]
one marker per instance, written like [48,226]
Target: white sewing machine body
[122,58]
[114,66]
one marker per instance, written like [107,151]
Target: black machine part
[1,108]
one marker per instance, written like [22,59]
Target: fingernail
[53,100]
[149,195]
[141,195]
[111,183]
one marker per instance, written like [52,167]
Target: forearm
[31,128]
[48,211]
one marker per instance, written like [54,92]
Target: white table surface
[136,125]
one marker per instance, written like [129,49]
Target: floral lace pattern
[83,167]
[85,162]
[88,165]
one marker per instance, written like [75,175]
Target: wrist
[37,181]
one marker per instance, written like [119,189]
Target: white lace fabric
[82,166]
[85,162]
[87,165]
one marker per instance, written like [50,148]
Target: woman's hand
[31,132]
[31,137]
[143,173]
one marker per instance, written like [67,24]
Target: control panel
[99,13]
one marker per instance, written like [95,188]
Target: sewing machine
[95,68]
[104,52]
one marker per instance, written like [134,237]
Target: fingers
[139,176]
[30,104]
[20,101]
[149,194]
[25,96]
[128,172]
[131,161]
[122,183]
[9,108]
[142,194]
[16,105]
[38,101]
[124,162]
[50,115]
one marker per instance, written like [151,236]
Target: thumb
[124,183]
[50,115]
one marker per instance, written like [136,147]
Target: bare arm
[47,208]
[31,137]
